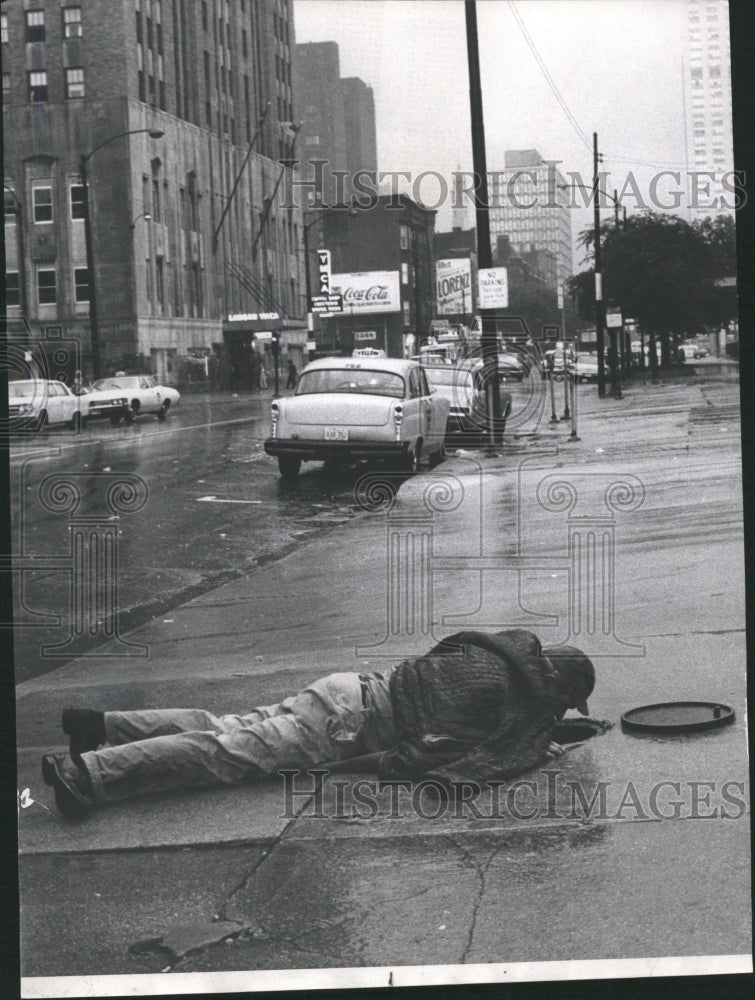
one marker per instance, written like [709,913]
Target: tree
[660,269]
[720,236]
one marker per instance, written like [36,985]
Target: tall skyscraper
[338,136]
[529,203]
[707,103]
[179,113]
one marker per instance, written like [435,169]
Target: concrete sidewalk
[325,881]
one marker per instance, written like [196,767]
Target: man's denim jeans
[160,749]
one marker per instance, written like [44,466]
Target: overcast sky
[616,64]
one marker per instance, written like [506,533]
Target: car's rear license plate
[336,434]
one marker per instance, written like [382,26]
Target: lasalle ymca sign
[453,282]
[368,291]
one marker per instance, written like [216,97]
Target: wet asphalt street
[215,509]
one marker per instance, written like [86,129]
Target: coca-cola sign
[368,291]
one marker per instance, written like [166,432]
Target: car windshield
[448,376]
[117,383]
[358,380]
[18,389]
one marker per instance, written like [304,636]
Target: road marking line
[214,499]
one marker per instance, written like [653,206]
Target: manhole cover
[677,716]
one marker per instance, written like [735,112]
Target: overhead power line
[564,107]
[548,78]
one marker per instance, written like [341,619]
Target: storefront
[250,345]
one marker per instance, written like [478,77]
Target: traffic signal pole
[482,221]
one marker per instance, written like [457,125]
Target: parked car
[511,366]
[477,367]
[349,408]
[464,394]
[126,396]
[586,368]
[692,350]
[35,403]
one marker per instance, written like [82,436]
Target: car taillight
[274,416]
[398,419]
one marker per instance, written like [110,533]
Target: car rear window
[367,382]
[448,376]
[128,382]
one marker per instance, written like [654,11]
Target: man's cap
[576,674]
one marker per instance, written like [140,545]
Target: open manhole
[677,717]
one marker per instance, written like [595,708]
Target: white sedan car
[351,408]
[462,388]
[130,395]
[35,403]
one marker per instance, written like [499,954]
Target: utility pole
[600,309]
[482,221]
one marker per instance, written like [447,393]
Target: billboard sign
[453,283]
[368,291]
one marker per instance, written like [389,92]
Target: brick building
[195,252]
[392,241]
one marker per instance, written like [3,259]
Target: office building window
[6,82]
[155,199]
[77,201]
[74,82]
[159,281]
[243,43]
[12,289]
[3,27]
[47,290]
[81,284]
[35,26]
[204,15]
[10,207]
[42,201]
[38,87]
[72,22]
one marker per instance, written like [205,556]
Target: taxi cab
[344,409]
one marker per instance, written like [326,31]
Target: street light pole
[94,327]
[307,279]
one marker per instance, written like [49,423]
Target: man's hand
[554,749]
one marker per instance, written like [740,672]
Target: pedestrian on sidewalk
[292,374]
[476,706]
[263,376]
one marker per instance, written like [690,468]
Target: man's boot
[86,729]
[73,791]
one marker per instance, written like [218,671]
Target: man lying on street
[476,706]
